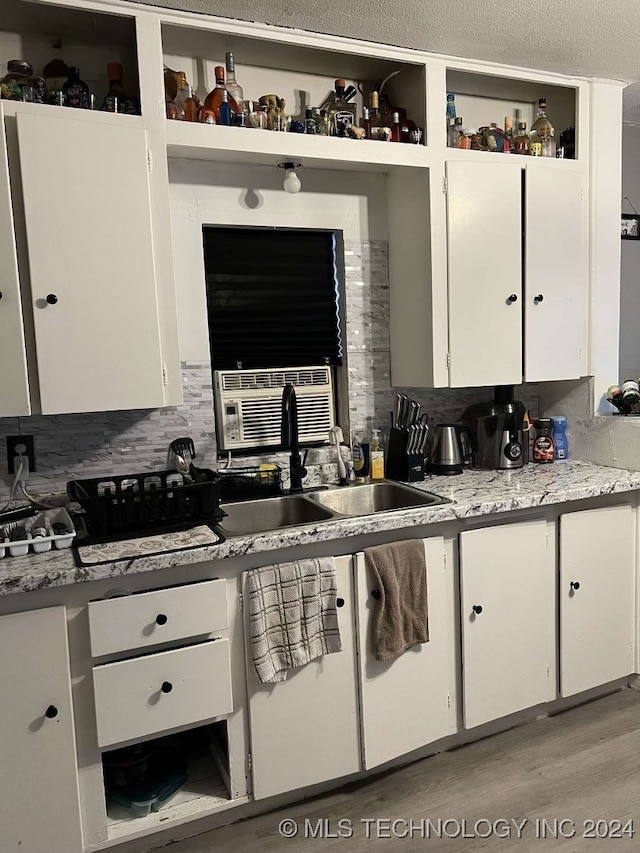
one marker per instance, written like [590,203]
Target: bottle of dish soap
[377,456]
[360,453]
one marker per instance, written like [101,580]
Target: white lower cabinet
[305,730]
[508,591]
[39,801]
[597,587]
[405,703]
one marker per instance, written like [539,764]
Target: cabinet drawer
[150,618]
[152,694]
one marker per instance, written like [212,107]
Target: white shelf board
[468,156]
[204,793]
[12,108]
[195,141]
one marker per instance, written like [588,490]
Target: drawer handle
[52,299]
[51,713]
[513,298]
[477,608]
[575,585]
[339,602]
[161,619]
[167,687]
[375,593]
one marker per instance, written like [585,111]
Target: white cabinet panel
[88,220]
[485,269]
[556,270]
[597,587]
[156,693]
[14,396]
[39,805]
[406,701]
[305,730]
[508,619]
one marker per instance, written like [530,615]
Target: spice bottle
[543,447]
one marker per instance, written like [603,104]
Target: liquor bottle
[224,110]
[365,124]
[233,87]
[342,114]
[451,106]
[396,127]
[521,140]
[190,106]
[181,94]
[508,133]
[379,127]
[452,134]
[115,101]
[542,133]
[76,91]
[459,130]
[214,98]
[310,122]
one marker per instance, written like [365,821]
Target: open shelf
[39,33]
[483,98]
[206,790]
[303,76]
[266,147]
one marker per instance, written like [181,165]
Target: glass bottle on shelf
[365,123]
[214,98]
[310,122]
[342,114]
[17,84]
[322,125]
[190,106]
[116,100]
[55,74]
[521,139]
[181,94]
[224,110]
[379,128]
[233,87]
[396,127]
[452,134]
[76,91]
[542,134]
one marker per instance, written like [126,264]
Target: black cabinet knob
[52,298]
[339,602]
[167,687]
[477,608]
[575,585]
[538,298]
[0,294]
[51,713]
[512,298]
[375,593]
[161,619]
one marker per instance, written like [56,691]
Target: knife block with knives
[402,462]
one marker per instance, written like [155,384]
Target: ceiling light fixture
[291,183]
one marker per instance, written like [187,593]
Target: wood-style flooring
[579,766]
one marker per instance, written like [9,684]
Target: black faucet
[289,438]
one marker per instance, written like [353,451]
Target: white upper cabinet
[88,221]
[484,268]
[555,275]
[14,396]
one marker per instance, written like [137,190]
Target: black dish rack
[249,483]
[152,501]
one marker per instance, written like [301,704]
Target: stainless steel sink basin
[374,497]
[270,514]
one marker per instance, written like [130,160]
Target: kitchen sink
[270,514]
[375,497]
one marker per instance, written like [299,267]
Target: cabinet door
[39,805]
[597,587]
[508,619]
[484,252]
[14,399]
[406,701]
[305,730]
[88,220]
[555,275]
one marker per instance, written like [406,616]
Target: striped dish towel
[292,616]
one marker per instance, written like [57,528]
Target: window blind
[273,297]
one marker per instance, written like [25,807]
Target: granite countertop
[474,493]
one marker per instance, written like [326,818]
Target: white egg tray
[41,544]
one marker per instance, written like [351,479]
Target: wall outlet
[21,445]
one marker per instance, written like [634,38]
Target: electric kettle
[452,447]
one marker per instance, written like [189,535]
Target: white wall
[209,193]
[630,260]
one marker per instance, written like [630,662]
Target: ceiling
[595,38]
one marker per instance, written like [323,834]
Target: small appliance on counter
[497,430]
[452,448]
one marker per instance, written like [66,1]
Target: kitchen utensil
[452,446]
[183,467]
[183,447]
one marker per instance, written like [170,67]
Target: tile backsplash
[97,444]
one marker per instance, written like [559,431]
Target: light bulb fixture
[291,183]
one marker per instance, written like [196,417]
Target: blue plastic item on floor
[149,796]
